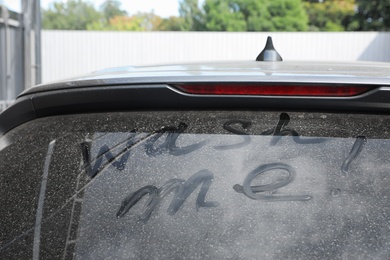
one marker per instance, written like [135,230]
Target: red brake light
[273,90]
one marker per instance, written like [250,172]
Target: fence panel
[71,53]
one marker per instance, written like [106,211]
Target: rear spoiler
[154,97]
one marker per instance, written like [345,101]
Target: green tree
[119,23]
[149,21]
[112,8]
[137,22]
[192,16]
[172,23]
[125,23]
[255,15]
[372,15]
[330,15]
[70,15]
[221,15]
[287,15]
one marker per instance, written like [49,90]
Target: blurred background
[46,40]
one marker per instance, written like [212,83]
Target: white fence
[70,53]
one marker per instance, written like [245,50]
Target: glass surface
[197,185]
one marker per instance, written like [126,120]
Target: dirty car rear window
[172,185]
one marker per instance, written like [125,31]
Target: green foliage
[330,15]
[255,15]
[71,15]
[172,23]
[125,23]
[192,16]
[111,8]
[149,21]
[82,15]
[288,15]
[119,23]
[221,15]
[373,15]
[226,15]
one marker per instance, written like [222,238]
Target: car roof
[231,71]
